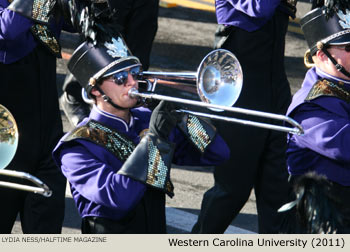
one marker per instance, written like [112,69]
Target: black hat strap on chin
[109,100]
[339,67]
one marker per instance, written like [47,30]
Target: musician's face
[341,54]
[117,90]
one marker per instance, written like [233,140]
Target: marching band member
[29,45]
[319,160]
[118,160]
[254,31]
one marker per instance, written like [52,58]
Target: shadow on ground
[188,14]
[243,220]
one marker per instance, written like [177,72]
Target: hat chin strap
[339,67]
[109,100]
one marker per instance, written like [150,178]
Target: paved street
[185,36]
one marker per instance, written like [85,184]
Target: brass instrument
[219,80]
[8,147]
[308,59]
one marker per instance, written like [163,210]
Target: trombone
[219,80]
[8,147]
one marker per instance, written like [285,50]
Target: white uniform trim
[111,116]
[322,73]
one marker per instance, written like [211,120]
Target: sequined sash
[45,36]
[42,32]
[121,146]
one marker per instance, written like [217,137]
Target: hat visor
[121,66]
[342,40]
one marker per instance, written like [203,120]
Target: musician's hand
[164,119]
[141,164]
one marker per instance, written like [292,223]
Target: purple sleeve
[187,154]
[326,133]
[12,24]
[99,182]
[255,8]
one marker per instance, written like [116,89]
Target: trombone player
[29,41]
[28,51]
[255,32]
[118,159]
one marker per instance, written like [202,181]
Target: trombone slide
[40,188]
[296,129]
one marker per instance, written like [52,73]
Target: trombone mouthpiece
[133,92]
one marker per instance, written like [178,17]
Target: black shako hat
[319,31]
[91,62]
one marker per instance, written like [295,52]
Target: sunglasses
[343,47]
[121,78]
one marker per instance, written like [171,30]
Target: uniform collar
[111,120]
[322,74]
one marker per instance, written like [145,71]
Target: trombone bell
[219,78]
[8,147]
[8,137]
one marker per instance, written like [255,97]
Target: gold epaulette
[104,136]
[326,88]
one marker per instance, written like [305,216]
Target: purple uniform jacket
[325,146]
[92,170]
[16,39]
[248,15]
